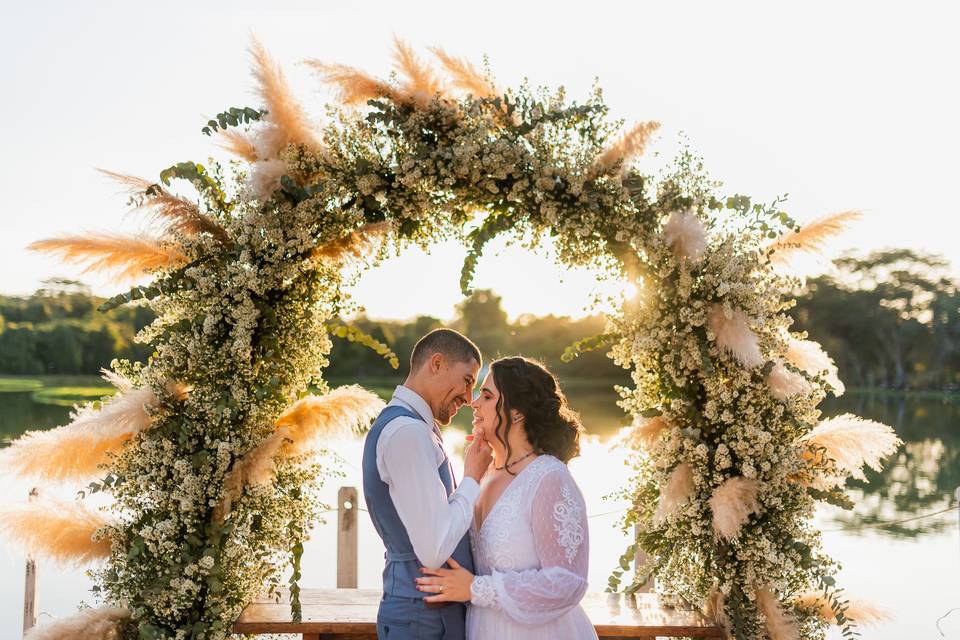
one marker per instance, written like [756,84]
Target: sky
[841,105]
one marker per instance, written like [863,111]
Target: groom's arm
[408,463]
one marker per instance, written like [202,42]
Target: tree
[889,319]
[18,351]
[59,330]
[482,319]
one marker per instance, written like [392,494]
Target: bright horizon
[843,106]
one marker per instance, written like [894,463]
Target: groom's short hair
[453,344]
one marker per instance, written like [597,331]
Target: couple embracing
[503,554]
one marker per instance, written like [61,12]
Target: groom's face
[455,382]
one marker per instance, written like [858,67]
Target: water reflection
[19,413]
[920,478]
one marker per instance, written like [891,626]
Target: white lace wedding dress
[531,555]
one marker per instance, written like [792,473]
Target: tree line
[58,331]
[890,319]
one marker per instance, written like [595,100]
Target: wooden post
[347,538]
[30,586]
[640,560]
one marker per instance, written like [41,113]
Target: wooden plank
[30,585]
[347,538]
[353,612]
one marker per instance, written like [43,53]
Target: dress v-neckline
[502,494]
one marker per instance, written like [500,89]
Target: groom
[417,508]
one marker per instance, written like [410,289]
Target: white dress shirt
[408,457]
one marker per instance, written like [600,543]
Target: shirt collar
[413,399]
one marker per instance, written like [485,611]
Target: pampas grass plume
[685,234]
[422,83]
[809,356]
[75,451]
[732,503]
[286,120]
[860,612]
[102,623]
[780,626]
[265,176]
[117,380]
[255,469]
[58,530]
[714,609]
[465,76]
[128,257]
[356,244]
[176,212]
[811,237]
[238,144]
[646,433]
[733,334]
[785,383]
[344,410]
[675,492]
[354,86]
[630,145]
[853,442]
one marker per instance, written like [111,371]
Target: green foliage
[492,226]
[353,334]
[836,496]
[296,553]
[136,293]
[233,117]
[591,343]
[199,177]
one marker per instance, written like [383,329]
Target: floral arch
[207,449]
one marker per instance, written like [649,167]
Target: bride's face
[485,409]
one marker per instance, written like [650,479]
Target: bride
[529,533]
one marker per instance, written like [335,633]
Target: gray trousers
[411,619]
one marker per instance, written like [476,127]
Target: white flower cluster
[724,421]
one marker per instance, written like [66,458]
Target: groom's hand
[477,458]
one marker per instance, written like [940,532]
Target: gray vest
[402,567]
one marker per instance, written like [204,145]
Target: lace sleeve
[536,596]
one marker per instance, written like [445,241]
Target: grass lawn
[69,396]
[19,385]
[64,391]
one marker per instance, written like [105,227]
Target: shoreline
[19,384]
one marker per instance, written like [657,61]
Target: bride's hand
[449,585]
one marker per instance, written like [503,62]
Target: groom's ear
[436,362]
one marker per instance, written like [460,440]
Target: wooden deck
[350,614]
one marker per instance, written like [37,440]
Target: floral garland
[208,449]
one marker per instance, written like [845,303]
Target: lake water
[910,570]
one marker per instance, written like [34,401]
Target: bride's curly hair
[527,386]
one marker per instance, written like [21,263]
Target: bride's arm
[559,519]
